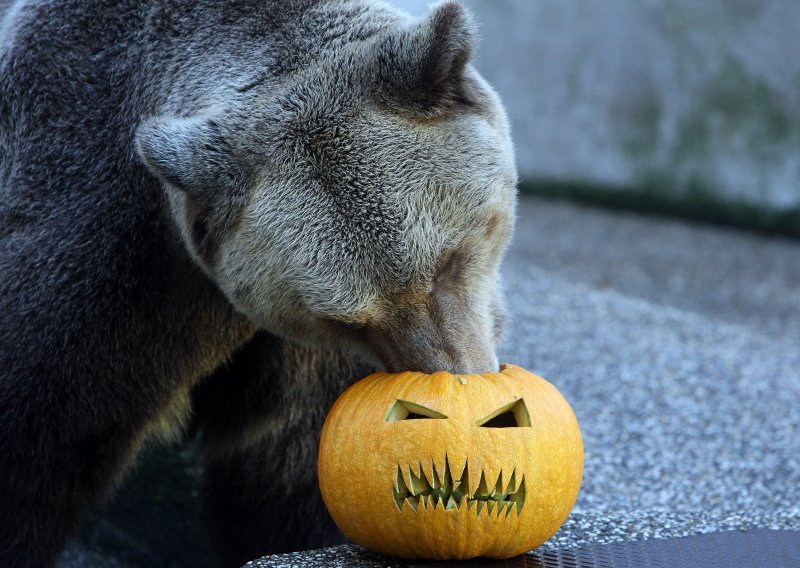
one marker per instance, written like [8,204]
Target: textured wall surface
[669,95]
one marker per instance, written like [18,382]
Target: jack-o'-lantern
[448,466]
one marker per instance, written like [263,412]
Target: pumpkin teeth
[437,484]
[512,483]
[448,478]
[461,485]
[497,492]
[419,483]
[518,496]
[482,490]
[400,487]
[415,489]
[459,492]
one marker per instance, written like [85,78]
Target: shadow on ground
[153,520]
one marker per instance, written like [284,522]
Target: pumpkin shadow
[522,561]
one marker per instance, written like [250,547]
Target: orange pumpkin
[448,466]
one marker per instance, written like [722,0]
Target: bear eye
[404,410]
[514,415]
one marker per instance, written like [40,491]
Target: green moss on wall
[694,204]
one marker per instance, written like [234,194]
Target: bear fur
[214,216]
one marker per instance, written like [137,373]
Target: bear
[214,217]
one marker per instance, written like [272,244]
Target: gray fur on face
[364,198]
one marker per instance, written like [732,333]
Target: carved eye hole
[404,410]
[514,415]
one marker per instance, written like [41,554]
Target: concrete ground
[677,346]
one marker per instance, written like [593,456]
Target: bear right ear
[421,69]
[190,154]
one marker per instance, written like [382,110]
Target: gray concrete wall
[670,95]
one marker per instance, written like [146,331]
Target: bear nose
[439,327]
[425,348]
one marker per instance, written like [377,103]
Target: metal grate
[759,548]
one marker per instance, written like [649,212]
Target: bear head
[361,200]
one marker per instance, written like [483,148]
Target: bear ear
[191,154]
[421,69]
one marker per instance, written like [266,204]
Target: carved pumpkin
[451,466]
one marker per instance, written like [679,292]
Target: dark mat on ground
[730,549]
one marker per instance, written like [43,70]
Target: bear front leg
[53,469]
[259,419]
[253,512]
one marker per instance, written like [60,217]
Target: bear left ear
[421,69]
[191,154]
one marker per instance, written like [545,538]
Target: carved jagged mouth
[453,493]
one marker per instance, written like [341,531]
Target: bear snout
[426,347]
